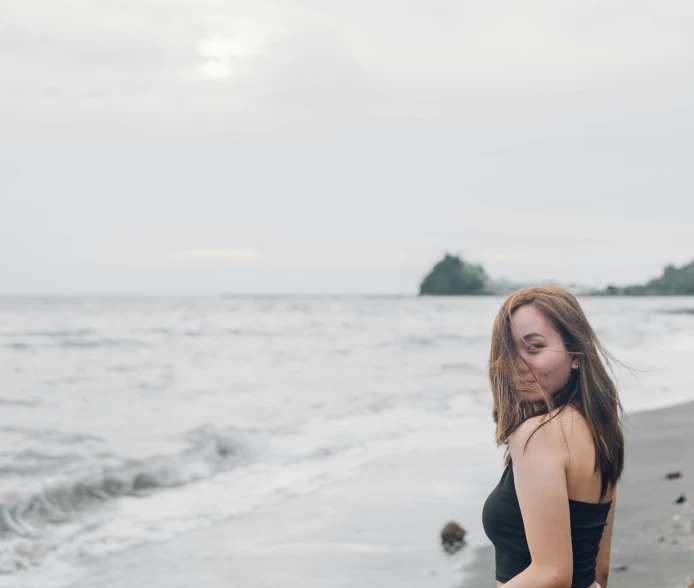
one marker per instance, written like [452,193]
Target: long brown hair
[589,390]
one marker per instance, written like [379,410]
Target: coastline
[382,527]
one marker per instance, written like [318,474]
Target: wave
[77,344]
[65,338]
[433,340]
[49,334]
[463,366]
[103,342]
[18,346]
[212,452]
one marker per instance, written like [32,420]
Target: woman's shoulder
[561,417]
[551,430]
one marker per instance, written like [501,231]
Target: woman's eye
[532,347]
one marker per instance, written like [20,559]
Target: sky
[325,146]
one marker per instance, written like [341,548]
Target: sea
[128,421]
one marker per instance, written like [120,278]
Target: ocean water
[129,421]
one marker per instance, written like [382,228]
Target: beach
[381,528]
[295,441]
[268,267]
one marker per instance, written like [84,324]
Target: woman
[550,518]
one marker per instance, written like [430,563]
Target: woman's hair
[589,389]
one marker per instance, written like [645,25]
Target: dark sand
[657,550]
[381,528]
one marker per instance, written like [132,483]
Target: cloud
[234,255]
[224,56]
[85,45]
[517,255]
[376,55]
[347,136]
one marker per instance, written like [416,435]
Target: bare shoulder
[575,428]
[547,433]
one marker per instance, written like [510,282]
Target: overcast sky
[325,146]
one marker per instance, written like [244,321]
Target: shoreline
[381,528]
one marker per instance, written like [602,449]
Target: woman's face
[542,348]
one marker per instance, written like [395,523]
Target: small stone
[452,533]
[680,499]
[673,475]
[452,537]
[620,568]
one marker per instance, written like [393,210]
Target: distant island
[454,277]
[673,282]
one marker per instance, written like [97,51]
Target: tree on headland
[452,276]
[673,282]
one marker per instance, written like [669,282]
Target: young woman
[551,516]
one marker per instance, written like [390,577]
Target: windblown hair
[589,389]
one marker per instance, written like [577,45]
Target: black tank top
[503,524]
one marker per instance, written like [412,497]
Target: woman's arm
[540,476]
[536,577]
[602,563]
